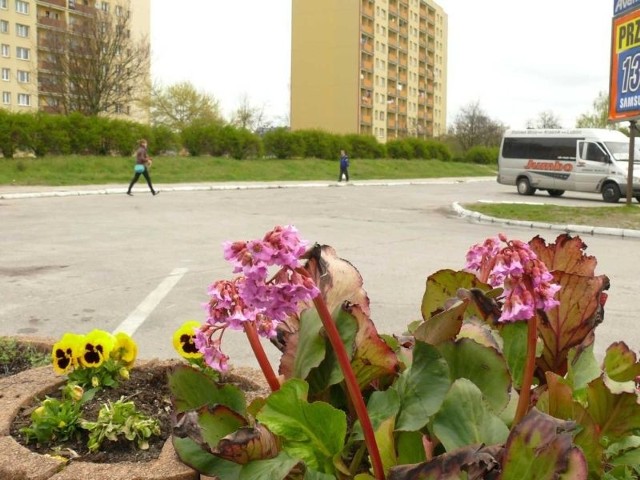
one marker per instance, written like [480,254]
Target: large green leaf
[583,368]
[514,349]
[616,415]
[278,468]
[218,421]
[311,345]
[410,448]
[540,447]
[558,400]
[196,457]
[191,389]
[442,326]
[464,419]
[422,387]
[443,286]
[381,406]
[621,368]
[314,433]
[484,366]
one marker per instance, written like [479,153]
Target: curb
[581,229]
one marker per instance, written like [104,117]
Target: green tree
[181,105]
[545,119]
[598,117]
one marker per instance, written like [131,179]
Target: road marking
[142,311]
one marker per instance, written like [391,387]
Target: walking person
[344,166]
[143,162]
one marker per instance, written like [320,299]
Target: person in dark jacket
[344,166]
[143,162]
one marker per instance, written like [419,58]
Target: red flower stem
[352,384]
[261,356]
[527,377]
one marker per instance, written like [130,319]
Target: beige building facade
[375,67]
[27,27]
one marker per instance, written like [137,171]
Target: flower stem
[352,385]
[261,356]
[527,377]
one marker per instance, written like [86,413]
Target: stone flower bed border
[19,463]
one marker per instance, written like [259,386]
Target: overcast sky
[517,58]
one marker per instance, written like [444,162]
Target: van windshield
[620,151]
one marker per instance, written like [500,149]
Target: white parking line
[142,311]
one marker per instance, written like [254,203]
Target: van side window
[539,148]
[592,151]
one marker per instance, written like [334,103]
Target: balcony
[391,106]
[366,83]
[367,64]
[366,119]
[367,27]
[57,3]
[52,22]
[367,9]
[392,74]
[391,123]
[393,56]
[393,7]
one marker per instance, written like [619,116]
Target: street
[143,263]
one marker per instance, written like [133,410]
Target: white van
[582,160]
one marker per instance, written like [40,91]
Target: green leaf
[204,462]
[422,387]
[443,286]
[514,349]
[616,415]
[277,468]
[311,345]
[442,326]
[464,419]
[381,406]
[410,448]
[192,389]
[484,366]
[621,368]
[540,447]
[329,372]
[583,368]
[312,432]
[217,422]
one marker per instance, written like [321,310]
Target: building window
[6,74]
[3,4]
[22,53]
[22,30]
[6,50]
[23,76]
[4,26]
[24,100]
[105,6]
[22,7]
[6,98]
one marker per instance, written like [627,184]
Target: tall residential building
[27,27]
[376,67]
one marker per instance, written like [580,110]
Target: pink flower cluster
[253,297]
[527,282]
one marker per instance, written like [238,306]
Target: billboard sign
[622,6]
[624,85]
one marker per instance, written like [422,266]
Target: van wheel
[611,193]
[638,198]
[524,187]
[555,193]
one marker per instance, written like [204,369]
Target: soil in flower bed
[148,389]
[16,357]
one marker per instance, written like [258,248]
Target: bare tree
[473,127]
[94,65]
[249,116]
[181,104]
[598,118]
[545,119]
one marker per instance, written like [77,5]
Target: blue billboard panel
[622,6]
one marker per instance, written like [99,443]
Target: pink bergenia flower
[253,297]
[527,282]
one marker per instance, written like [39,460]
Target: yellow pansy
[96,348]
[184,340]
[66,352]
[125,350]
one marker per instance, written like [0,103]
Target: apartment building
[376,67]
[27,28]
